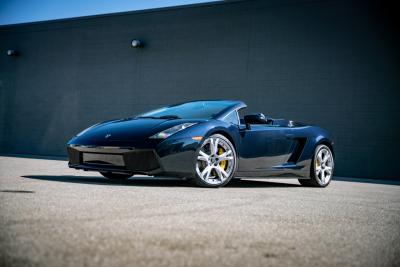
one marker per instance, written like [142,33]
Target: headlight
[87,129]
[170,131]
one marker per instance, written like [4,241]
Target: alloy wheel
[216,160]
[323,167]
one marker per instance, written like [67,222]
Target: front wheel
[321,168]
[116,176]
[216,162]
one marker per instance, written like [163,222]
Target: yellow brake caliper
[318,163]
[222,163]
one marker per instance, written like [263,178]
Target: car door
[263,148]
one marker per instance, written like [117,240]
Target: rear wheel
[216,162]
[116,176]
[321,168]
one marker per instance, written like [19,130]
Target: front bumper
[113,159]
[171,157]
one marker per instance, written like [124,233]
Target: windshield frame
[230,106]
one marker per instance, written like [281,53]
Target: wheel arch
[328,143]
[225,134]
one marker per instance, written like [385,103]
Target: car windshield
[190,110]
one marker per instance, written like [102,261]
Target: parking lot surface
[51,215]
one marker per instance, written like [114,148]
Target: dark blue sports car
[207,142]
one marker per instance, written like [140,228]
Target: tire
[116,176]
[321,170]
[216,162]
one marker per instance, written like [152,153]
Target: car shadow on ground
[151,181]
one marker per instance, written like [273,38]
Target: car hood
[129,129]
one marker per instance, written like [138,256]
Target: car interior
[260,118]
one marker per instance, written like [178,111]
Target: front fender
[178,154]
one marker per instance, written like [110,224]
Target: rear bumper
[171,157]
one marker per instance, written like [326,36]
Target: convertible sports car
[207,142]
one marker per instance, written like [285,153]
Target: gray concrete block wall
[331,63]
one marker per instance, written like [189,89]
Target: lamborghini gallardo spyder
[207,142]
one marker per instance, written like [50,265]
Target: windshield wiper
[169,117]
[165,117]
[146,117]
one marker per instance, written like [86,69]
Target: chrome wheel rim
[324,166]
[216,161]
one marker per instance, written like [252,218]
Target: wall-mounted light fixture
[136,43]
[12,53]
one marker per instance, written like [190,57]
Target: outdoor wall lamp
[136,43]
[12,53]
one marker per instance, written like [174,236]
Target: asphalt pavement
[51,215]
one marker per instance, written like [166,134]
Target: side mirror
[257,118]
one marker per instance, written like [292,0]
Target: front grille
[101,158]
[141,160]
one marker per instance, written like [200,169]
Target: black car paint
[262,149]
